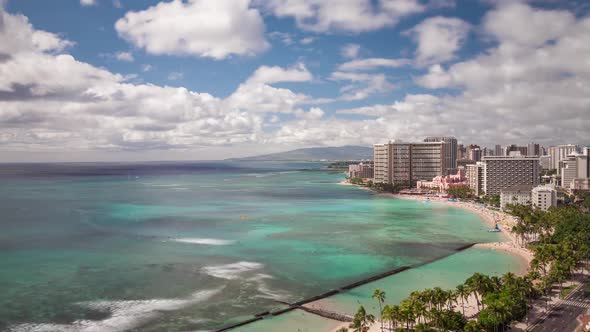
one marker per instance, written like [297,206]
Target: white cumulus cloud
[213,29]
[438,38]
[342,16]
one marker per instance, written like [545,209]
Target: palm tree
[471,326]
[362,321]
[380,296]
[428,296]
[420,310]
[439,297]
[407,312]
[478,284]
[387,316]
[396,314]
[462,293]
[342,329]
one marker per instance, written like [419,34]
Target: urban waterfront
[201,245]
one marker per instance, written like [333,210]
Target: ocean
[200,245]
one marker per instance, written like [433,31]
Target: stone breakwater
[330,314]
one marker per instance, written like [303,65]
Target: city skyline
[104,80]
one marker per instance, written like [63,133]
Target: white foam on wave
[213,242]
[125,315]
[165,185]
[265,290]
[231,271]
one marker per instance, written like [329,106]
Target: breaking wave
[213,242]
[125,315]
[231,271]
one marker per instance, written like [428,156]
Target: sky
[122,80]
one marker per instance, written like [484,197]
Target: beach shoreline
[504,221]
[492,218]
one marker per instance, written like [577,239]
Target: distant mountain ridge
[348,152]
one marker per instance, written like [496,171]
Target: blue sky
[200,79]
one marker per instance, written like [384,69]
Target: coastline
[504,221]
[509,246]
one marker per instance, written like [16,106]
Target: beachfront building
[568,171]
[503,172]
[520,194]
[443,183]
[381,163]
[362,171]
[544,197]
[474,175]
[450,151]
[403,164]
[427,160]
[559,153]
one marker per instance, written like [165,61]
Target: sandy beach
[504,221]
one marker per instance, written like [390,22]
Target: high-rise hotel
[503,172]
[404,164]
[450,154]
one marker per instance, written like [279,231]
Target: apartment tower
[503,172]
[450,150]
[405,163]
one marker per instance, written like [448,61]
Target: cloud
[17,35]
[275,74]
[350,51]
[438,38]
[52,102]
[175,76]
[518,23]
[88,2]
[146,67]
[342,16]
[519,90]
[497,92]
[314,113]
[285,37]
[124,56]
[257,95]
[306,40]
[373,63]
[516,90]
[363,85]
[436,78]
[212,29]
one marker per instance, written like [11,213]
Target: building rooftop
[519,157]
[519,188]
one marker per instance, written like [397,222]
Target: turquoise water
[196,246]
[446,273]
